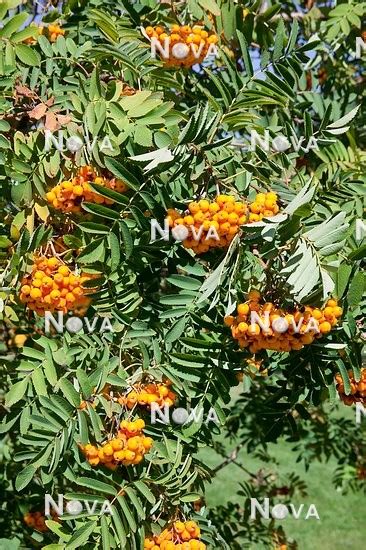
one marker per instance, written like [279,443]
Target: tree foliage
[174,136]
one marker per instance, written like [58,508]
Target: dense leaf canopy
[171,136]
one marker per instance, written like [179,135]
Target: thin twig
[232,459]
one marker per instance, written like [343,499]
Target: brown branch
[231,459]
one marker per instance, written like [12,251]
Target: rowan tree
[260,144]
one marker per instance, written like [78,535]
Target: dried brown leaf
[51,122]
[24,91]
[63,119]
[38,112]
[50,102]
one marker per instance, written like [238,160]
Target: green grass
[342,523]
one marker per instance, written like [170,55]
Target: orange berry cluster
[150,393]
[129,447]
[264,206]
[37,520]
[53,31]
[358,389]
[187,45]
[253,368]
[213,224]
[68,195]
[18,340]
[287,331]
[181,536]
[51,286]
[209,224]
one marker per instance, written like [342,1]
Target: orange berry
[179,527]
[213,208]
[325,327]
[317,314]
[193,207]
[77,291]
[58,278]
[185,29]
[215,225]
[243,327]
[253,330]
[328,312]
[70,297]
[240,208]
[224,228]
[199,217]
[229,320]
[35,293]
[272,196]
[188,220]
[255,208]
[52,262]
[66,282]
[204,205]
[229,206]
[119,455]
[337,311]
[39,275]
[191,526]
[63,270]
[55,294]
[133,443]
[47,282]
[140,424]
[147,443]
[221,199]
[129,455]
[50,196]
[78,190]
[233,218]
[243,309]
[260,198]
[212,39]
[269,204]
[163,391]
[254,295]
[185,535]
[222,216]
